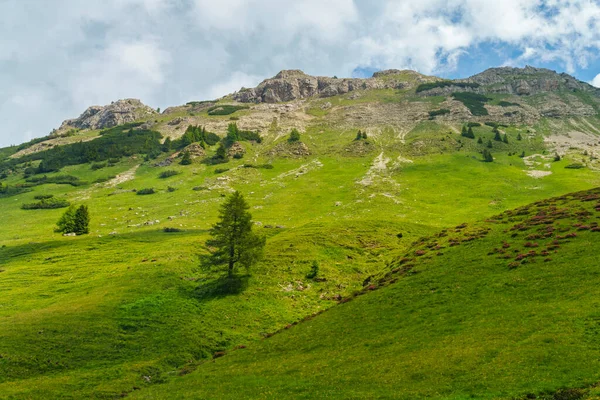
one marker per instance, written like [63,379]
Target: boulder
[117,113]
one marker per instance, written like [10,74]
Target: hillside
[506,308]
[114,312]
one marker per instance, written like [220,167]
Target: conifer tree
[364,135]
[66,223]
[497,136]
[479,141]
[487,156]
[359,135]
[233,241]
[489,144]
[186,159]
[519,137]
[505,138]
[470,133]
[166,147]
[82,220]
[294,136]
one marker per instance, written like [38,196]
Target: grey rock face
[117,113]
[291,85]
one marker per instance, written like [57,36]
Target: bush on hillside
[473,101]
[44,204]
[145,191]
[168,174]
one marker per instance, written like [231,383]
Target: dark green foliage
[557,157]
[264,166]
[442,84]
[82,220]
[505,138]
[46,204]
[186,159]
[522,154]
[117,142]
[142,192]
[435,113]
[314,270]
[225,109]
[172,230]
[43,196]
[473,101]
[508,104]
[487,156]
[106,179]
[211,139]
[167,145]
[473,124]
[221,170]
[364,135]
[66,223]
[467,132]
[58,180]
[168,173]
[220,156]
[233,242]
[8,191]
[294,136]
[199,103]
[358,135]
[519,137]
[575,166]
[497,136]
[97,166]
[249,136]
[232,134]
[171,189]
[489,144]
[479,140]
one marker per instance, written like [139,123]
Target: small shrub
[508,104]
[314,270]
[172,230]
[575,166]
[50,203]
[97,166]
[142,192]
[168,173]
[294,136]
[171,189]
[43,196]
[442,84]
[199,188]
[221,170]
[225,109]
[435,113]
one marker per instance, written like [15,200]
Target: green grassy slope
[502,309]
[128,306]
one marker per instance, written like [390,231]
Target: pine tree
[359,135]
[487,156]
[186,159]
[479,141]
[294,136]
[463,132]
[519,137]
[82,221]
[522,155]
[232,134]
[364,135]
[166,147]
[556,157]
[497,136]
[66,223]
[234,242]
[505,138]
[222,153]
[489,144]
[470,133]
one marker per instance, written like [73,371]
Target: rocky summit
[117,113]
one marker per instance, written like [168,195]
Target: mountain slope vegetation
[128,307]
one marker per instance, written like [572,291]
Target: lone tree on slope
[234,241]
[74,221]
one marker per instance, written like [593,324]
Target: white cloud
[57,59]
[596,81]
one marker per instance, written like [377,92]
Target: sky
[57,57]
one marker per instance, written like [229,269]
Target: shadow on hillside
[221,287]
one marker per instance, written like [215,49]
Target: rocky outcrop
[528,81]
[116,113]
[291,85]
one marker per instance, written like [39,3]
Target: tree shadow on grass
[220,287]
